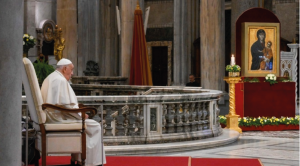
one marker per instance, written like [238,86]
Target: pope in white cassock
[56,89]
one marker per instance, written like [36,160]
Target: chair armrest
[72,110]
[81,105]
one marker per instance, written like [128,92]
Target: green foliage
[247,79]
[234,68]
[261,121]
[283,79]
[254,80]
[42,70]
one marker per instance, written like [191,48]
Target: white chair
[52,138]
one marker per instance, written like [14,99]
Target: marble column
[29,24]
[67,20]
[181,54]
[237,8]
[88,33]
[109,40]
[212,27]
[193,30]
[11,32]
[127,20]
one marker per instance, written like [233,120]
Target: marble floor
[273,148]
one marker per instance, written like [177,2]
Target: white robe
[57,90]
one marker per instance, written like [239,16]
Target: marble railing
[157,115]
[101,80]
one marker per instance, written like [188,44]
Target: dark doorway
[160,66]
[48,48]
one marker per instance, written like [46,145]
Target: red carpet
[225,162]
[159,161]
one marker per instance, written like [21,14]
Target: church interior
[170,82]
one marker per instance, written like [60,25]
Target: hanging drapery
[140,73]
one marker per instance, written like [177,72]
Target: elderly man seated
[57,90]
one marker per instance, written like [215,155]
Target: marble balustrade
[156,115]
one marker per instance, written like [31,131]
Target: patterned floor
[273,148]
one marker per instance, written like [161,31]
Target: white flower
[23,43]
[25,35]
[31,37]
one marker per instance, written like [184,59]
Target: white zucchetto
[63,61]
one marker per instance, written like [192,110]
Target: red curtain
[140,73]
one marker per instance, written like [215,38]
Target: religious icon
[260,49]
[48,32]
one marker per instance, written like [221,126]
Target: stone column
[109,43]
[237,8]
[67,20]
[181,54]
[11,32]
[29,24]
[127,20]
[212,27]
[194,30]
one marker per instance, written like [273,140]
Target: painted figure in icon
[257,49]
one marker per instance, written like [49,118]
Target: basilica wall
[287,12]
[174,21]
[161,13]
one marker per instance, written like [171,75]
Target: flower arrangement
[271,78]
[233,68]
[261,121]
[28,42]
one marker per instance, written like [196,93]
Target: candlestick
[232,62]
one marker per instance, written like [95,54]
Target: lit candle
[232,62]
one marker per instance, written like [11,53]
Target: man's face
[269,44]
[192,78]
[68,71]
[261,36]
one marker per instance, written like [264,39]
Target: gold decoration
[59,43]
[137,5]
[233,74]
[232,117]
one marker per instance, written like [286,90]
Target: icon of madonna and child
[262,55]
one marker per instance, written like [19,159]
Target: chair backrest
[33,92]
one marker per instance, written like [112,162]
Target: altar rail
[102,80]
[157,115]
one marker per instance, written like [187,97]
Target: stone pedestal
[232,117]
[237,8]
[212,31]
[11,32]
[67,21]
